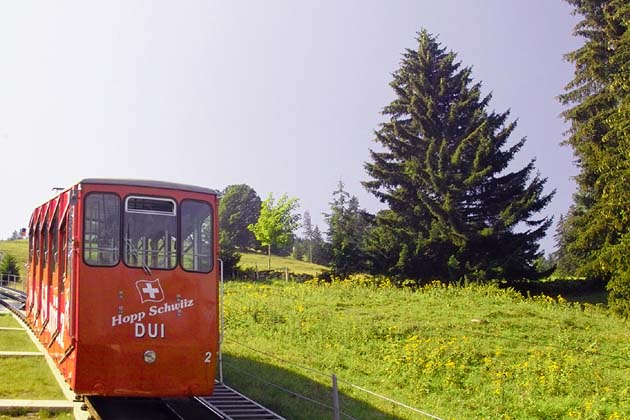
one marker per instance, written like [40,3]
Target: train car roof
[148,183]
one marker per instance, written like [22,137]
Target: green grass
[457,353]
[24,414]
[25,377]
[19,249]
[28,378]
[253,260]
[14,340]
[7,320]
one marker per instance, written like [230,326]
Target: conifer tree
[599,95]
[320,248]
[347,228]
[454,209]
[307,227]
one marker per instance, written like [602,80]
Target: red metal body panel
[98,322]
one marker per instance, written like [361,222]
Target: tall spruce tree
[347,228]
[454,209]
[307,227]
[597,233]
[320,248]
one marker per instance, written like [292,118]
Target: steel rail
[6,293]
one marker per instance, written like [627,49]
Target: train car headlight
[150,356]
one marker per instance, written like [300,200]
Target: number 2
[208,357]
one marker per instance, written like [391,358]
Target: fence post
[335,396]
[286,274]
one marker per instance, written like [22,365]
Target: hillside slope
[255,260]
[457,353]
[19,249]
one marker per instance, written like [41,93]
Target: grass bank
[255,260]
[457,353]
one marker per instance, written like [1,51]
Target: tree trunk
[269,255]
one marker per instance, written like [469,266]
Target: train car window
[150,232]
[30,246]
[64,245]
[54,244]
[101,229]
[196,217]
[44,245]
[36,247]
[68,255]
[150,205]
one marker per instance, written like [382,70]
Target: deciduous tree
[276,222]
[239,207]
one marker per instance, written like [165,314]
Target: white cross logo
[150,290]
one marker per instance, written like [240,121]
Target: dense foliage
[597,227]
[239,208]
[455,211]
[9,266]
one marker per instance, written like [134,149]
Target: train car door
[47,289]
[57,230]
[42,235]
[33,243]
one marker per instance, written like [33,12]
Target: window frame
[180,257]
[175,214]
[54,240]
[83,231]
[123,209]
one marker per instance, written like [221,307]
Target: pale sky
[281,95]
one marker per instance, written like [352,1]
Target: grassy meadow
[456,353]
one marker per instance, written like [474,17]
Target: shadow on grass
[574,290]
[268,385]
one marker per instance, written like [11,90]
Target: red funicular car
[123,286]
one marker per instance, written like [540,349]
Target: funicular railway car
[123,287]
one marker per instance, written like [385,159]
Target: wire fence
[11,280]
[298,395]
[333,378]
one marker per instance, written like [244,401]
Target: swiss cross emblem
[150,290]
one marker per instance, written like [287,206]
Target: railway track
[14,300]
[225,403]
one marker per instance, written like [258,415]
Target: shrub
[9,265]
